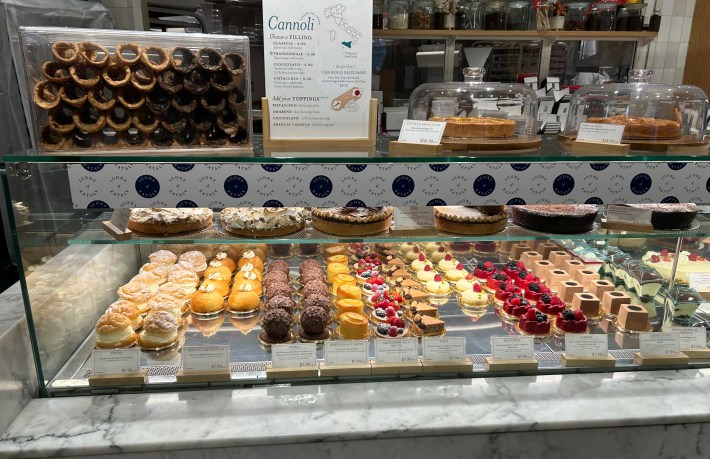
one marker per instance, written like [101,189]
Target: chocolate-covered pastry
[236,99]
[134,137]
[128,53]
[235,63]
[51,140]
[81,139]
[318,301]
[315,288]
[201,119]
[73,95]
[183,60]
[46,95]
[93,53]
[158,101]
[61,119]
[89,119]
[118,118]
[273,277]
[143,78]
[188,136]
[155,57]
[278,265]
[277,289]
[241,136]
[209,59]
[215,137]
[197,82]
[131,98]
[276,324]
[227,121]
[56,72]
[314,321]
[102,97]
[161,137]
[213,101]
[108,136]
[312,275]
[64,52]
[184,102]
[281,302]
[308,264]
[171,81]
[145,120]
[174,121]
[116,74]
[223,81]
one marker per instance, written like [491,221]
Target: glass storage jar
[398,15]
[469,15]
[478,106]
[378,16]
[607,16]
[635,21]
[592,21]
[422,15]
[518,15]
[542,14]
[650,112]
[576,16]
[495,18]
[622,20]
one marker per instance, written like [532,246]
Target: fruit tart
[535,290]
[393,327]
[569,321]
[484,270]
[494,281]
[373,285]
[504,291]
[550,304]
[534,322]
[515,306]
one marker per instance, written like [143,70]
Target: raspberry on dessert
[571,321]
[516,306]
[535,323]
[549,304]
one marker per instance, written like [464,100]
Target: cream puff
[163,257]
[186,279]
[176,291]
[158,270]
[219,284]
[194,261]
[250,257]
[207,301]
[113,331]
[226,261]
[127,309]
[146,278]
[160,330]
[167,303]
[250,279]
[138,294]
[216,266]
[247,269]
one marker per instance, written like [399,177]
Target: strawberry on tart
[534,322]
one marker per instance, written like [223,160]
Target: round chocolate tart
[670,216]
[470,220]
[556,218]
[352,221]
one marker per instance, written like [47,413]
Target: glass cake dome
[477,109]
[650,112]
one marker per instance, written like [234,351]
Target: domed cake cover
[649,111]
[475,98]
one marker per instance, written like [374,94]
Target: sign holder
[583,148]
[344,370]
[510,365]
[455,366]
[625,226]
[397,148]
[404,368]
[183,376]
[122,379]
[608,361]
[661,360]
[290,373]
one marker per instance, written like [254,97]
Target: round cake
[262,221]
[556,218]
[169,220]
[352,221]
[470,220]
[670,216]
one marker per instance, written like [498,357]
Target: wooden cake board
[116,232]
[623,226]
[582,148]
[608,361]
[124,379]
[406,368]
[461,366]
[495,146]
[697,354]
[368,141]
[660,360]
[345,370]
[183,376]
[683,144]
[510,365]
[290,373]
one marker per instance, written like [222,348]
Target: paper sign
[558,95]
[512,348]
[604,133]
[205,358]
[541,92]
[699,281]
[396,350]
[579,345]
[531,81]
[346,352]
[422,132]
[413,217]
[691,338]
[120,217]
[451,349]
[293,355]
[659,344]
[116,361]
[628,214]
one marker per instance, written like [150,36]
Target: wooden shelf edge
[642,37]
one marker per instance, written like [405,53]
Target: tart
[353,326]
[534,322]
[465,284]
[505,291]
[556,218]
[262,221]
[534,291]
[571,321]
[469,220]
[425,275]
[493,282]
[348,305]
[419,263]
[169,220]
[456,274]
[394,327]
[551,305]
[479,127]
[352,221]
[437,286]
[516,306]
[670,216]
[449,262]
[643,127]
[476,297]
[484,270]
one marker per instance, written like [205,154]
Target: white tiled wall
[666,55]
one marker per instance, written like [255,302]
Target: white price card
[422,132]
[205,358]
[512,348]
[603,133]
[654,344]
[346,352]
[116,361]
[413,217]
[558,95]
[626,214]
[396,350]
[120,217]
[531,81]
[293,355]
[452,349]
[691,338]
[579,345]
[699,281]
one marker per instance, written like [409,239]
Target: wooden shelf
[642,38]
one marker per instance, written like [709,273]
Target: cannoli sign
[318,57]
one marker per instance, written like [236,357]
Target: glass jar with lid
[651,113]
[422,15]
[477,109]
[518,15]
[622,20]
[378,16]
[576,16]
[636,18]
[543,11]
[398,15]
[495,15]
[607,15]
[469,15]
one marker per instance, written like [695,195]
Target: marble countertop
[12,308]
[317,413]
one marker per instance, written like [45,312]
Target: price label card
[413,217]
[422,132]
[531,81]
[541,92]
[577,345]
[116,361]
[451,349]
[660,343]
[120,217]
[346,352]
[396,350]
[293,355]
[628,214]
[512,348]
[699,281]
[604,133]
[558,95]
[205,358]
[691,338]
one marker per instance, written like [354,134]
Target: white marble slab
[351,412]
[12,308]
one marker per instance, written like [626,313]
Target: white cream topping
[167,216]
[260,218]
[116,336]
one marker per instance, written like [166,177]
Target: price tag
[512,348]
[451,349]
[293,355]
[413,217]
[346,352]
[120,217]
[116,361]
[422,132]
[541,92]
[205,358]
[578,345]
[603,133]
[691,338]
[626,214]
[531,81]
[699,281]
[396,350]
[659,344]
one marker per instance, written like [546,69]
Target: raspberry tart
[505,291]
[571,322]
[437,286]
[534,291]
[373,285]
[474,298]
[393,327]
[550,304]
[419,263]
[484,271]
[515,306]
[534,322]
[385,309]
[456,274]
[512,268]
[493,282]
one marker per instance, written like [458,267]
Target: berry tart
[425,275]
[373,285]
[571,322]
[534,322]
[550,304]
[465,284]
[515,306]
[523,278]
[484,271]
[447,263]
[505,291]
[438,255]
[493,282]
[474,298]
[512,267]
[419,263]
[413,254]
[394,327]
[534,291]
[386,309]
[437,286]
[456,274]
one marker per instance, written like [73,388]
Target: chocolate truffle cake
[670,216]
[556,218]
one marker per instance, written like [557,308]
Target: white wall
[666,55]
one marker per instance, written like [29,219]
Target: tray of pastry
[104,90]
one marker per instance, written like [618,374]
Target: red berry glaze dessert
[505,291]
[484,271]
[512,267]
[516,306]
[533,291]
[393,327]
[493,282]
[534,322]
[571,321]
[550,304]
[374,285]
